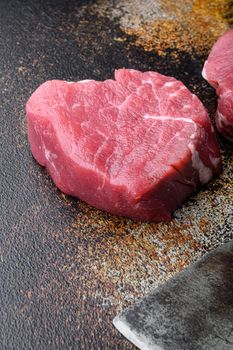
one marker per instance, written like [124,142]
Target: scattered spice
[181,25]
[190,29]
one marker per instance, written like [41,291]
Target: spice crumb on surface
[184,25]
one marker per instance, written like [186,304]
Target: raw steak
[135,146]
[218,71]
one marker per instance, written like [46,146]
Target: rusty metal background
[66,269]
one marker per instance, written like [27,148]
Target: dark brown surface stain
[66,269]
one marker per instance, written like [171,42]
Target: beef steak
[135,146]
[218,71]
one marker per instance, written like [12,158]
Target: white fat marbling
[205,173]
[222,120]
[215,161]
[204,71]
[170,83]
[166,117]
[49,155]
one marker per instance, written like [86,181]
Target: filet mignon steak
[135,146]
[218,71]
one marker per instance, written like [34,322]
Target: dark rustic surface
[66,269]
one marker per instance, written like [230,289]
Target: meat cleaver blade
[192,311]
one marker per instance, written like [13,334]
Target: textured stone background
[66,269]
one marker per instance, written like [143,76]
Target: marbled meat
[136,146]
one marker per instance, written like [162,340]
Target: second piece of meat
[218,71]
